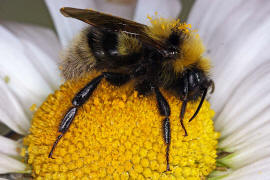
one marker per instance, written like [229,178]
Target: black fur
[104,47]
[146,65]
[117,79]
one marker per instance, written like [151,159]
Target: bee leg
[64,127]
[200,105]
[144,88]
[164,110]
[84,94]
[79,99]
[182,114]
[212,85]
[184,104]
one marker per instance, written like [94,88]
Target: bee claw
[168,169]
[50,156]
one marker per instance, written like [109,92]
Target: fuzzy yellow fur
[191,49]
[127,44]
[204,64]
[161,28]
[77,59]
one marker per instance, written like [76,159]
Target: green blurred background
[26,11]
[35,11]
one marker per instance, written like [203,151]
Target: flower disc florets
[117,134]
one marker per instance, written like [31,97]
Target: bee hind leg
[184,105]
[79,99]
[164,110]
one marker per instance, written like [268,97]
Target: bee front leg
[200,105]
[164,110]
[184,105]
[80,98]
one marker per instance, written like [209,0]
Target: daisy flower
[236,36]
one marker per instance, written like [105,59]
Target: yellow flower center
[117,134]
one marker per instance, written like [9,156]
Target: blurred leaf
[26,11]
[4,130]
[186,7]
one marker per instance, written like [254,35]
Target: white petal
[236,35]
[9,165]
[256,171]
[239,64]
[67,27]
[12,112]
[247,108]
[165,9]
[125,10]
[251,153]
[39,45]
[29,57]
[8,146]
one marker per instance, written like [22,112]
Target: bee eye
[171,52]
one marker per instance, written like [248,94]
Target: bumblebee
[164,55]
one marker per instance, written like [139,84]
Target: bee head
[184,49]
[173,45]
[182,46]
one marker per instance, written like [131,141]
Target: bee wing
[115,24]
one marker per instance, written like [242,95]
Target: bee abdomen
[78,59]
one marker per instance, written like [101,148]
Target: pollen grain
[117,134]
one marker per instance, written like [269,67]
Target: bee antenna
[212,84]
[182,113]
[200,105]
